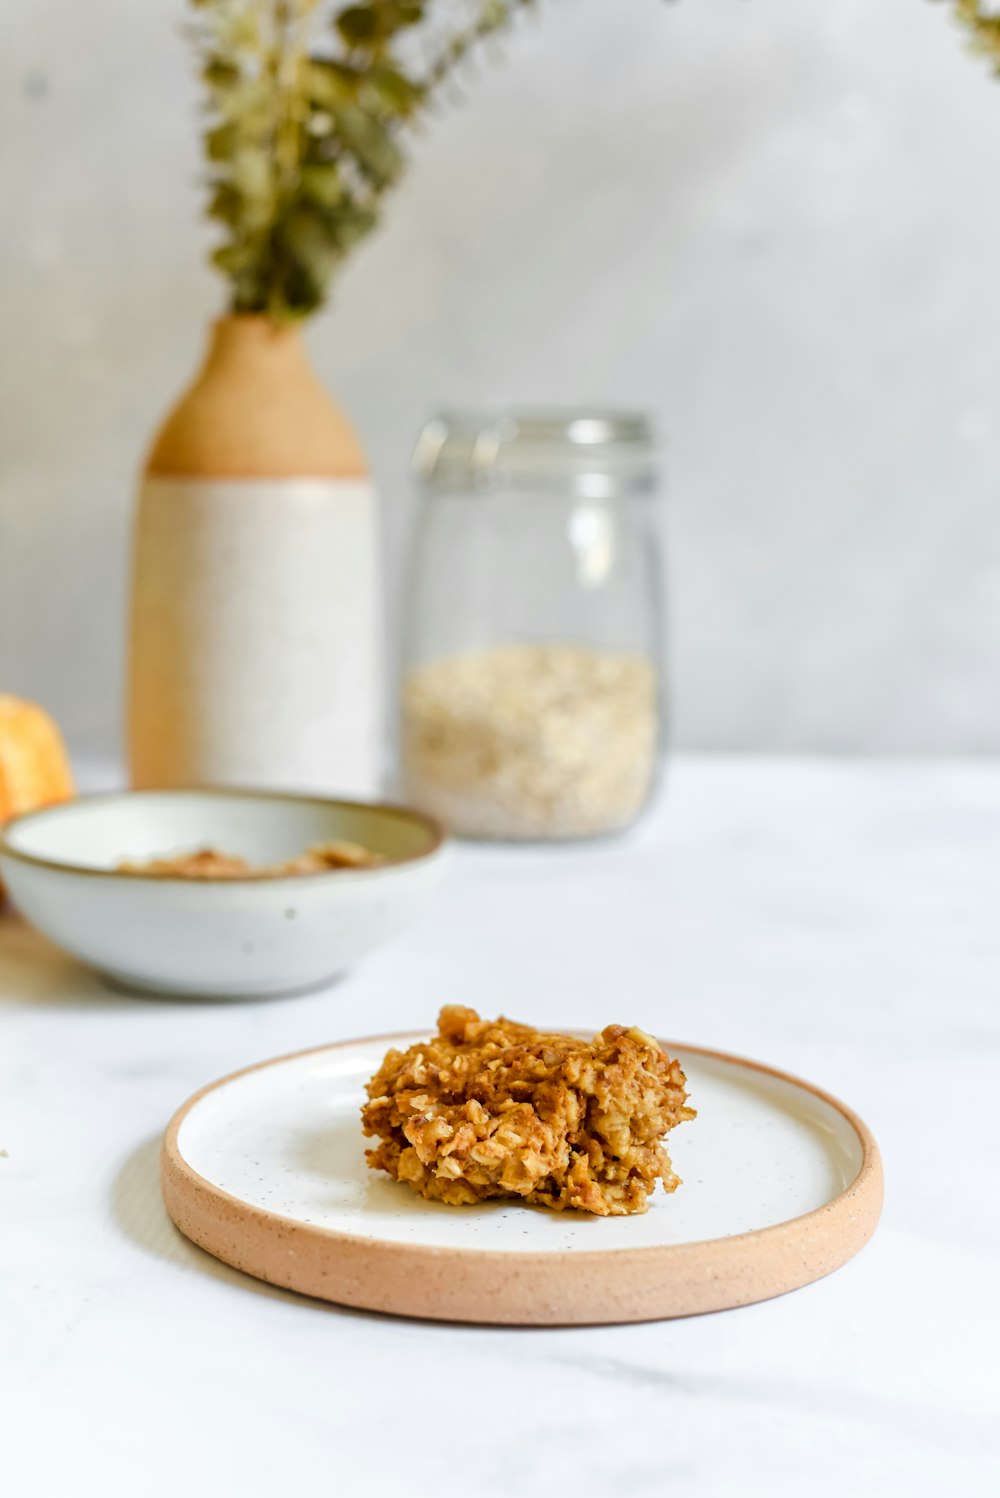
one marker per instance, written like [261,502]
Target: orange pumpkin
[34,766]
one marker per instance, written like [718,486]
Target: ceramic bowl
[228,939]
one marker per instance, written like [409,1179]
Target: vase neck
[272,348]
[256,410]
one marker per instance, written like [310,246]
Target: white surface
[255,646]
[839,921]
[287,1138]
[771,224]
[230,938]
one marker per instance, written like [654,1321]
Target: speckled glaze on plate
[265,1169]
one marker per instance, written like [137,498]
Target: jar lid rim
[579,426]
[492,448]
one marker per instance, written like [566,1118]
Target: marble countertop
[839,920]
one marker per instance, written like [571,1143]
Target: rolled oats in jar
[530,699]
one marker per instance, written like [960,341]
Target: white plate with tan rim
[265,1169]
[235,938]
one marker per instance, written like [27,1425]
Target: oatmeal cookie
[491,1108]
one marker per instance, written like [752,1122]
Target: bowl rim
[431,825]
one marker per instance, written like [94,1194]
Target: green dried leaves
[983,20]
[368,140]
[306,125]
[401,96]
[372,27]
[331,85]
[359,25]
[322,185]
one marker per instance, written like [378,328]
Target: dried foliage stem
[286,74]
[308,106]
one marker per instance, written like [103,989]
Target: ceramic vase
[254,654]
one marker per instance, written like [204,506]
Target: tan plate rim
[580,1288]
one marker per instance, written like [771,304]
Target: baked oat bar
[490,1108]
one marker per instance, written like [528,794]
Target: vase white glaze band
[255,649]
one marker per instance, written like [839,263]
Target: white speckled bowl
[228,939]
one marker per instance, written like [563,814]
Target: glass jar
[531,662]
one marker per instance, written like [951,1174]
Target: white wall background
[775,223]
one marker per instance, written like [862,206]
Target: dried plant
[309,106]
[983,21]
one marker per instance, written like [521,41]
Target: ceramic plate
[266,1170]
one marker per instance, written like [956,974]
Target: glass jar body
[532,681]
